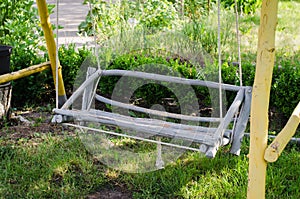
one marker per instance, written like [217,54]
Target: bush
[285,92]
[71,60]
[196,9]
[19,29]
[152,92]
[138,61]
[285,89]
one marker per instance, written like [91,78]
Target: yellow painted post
[51,46]
[274,150]
[24,72]
[260,99]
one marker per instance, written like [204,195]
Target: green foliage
[71,60]
[39,88]
[157,14]
[19,29]
[196,9]
[246,6]
[285,83]
[33,89]
[204,30]
[152,93]
[113,18]
[285,92]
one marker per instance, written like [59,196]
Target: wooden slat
[154,127]
[166,78]
[218,135]
[81,89]
[241,124]
[156,112]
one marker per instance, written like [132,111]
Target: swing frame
[210,138]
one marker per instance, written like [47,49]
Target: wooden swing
[209,138]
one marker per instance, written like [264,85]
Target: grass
[287,31]
[53,167]
[61,167]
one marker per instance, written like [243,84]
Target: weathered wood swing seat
[209,138]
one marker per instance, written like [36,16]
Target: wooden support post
[24,72]
[260,99]
[274,150]
[51,46]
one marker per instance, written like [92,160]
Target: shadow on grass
[53,168]
[193,176]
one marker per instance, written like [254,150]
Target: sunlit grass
[55,168]
[62,167]
[287,31]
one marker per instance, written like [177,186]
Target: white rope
[239,62]
[94,32]
[220,60]
[238,42]
[56,57]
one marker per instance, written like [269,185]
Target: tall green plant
[112,18]
[245,6]
[205,29]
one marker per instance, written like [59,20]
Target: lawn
[58,165]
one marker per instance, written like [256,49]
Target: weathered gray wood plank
[151,126]
[156,112]
[166,78]
[241,124]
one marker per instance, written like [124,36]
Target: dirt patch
[115,192]
[31,124]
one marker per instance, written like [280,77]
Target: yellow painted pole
[51,46]
[274,150]
[24,72]
[260,100]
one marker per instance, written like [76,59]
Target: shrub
[196,9]
[151,93]
[71,60]
[285,89]
[285,92]
[19,29]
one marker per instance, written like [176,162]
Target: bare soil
[37,122]
[115,192]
